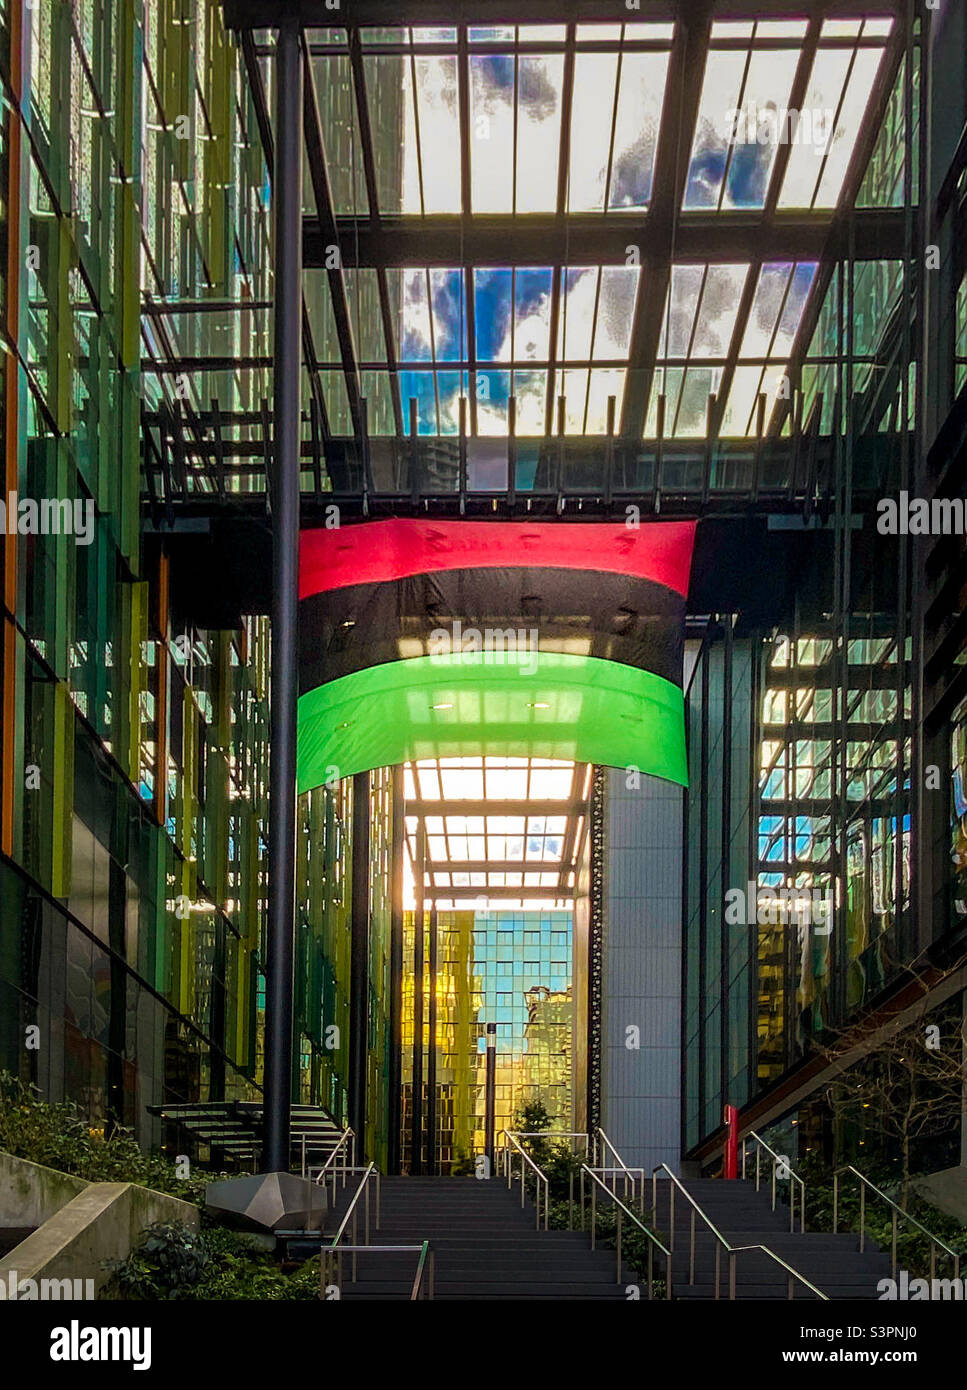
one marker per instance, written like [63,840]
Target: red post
[731,1164]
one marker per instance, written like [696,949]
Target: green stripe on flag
[494,704]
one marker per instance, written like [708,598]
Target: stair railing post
[671,1216]
[618,1244]
[893,1245]
[594,1212]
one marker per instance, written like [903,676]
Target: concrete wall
[641,1102]
[30,1193]
[87,1224]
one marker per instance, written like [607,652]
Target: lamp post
[490,1097]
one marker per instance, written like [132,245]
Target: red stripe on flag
[373,552]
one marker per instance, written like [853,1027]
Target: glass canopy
[506,831]
[572,228]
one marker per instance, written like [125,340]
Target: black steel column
[359,961]
[431,1107]
[395,1087]
[416,1098]
[490,1097]
[287,251]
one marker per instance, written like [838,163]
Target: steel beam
[285,601]
[322,14]
[359,960]
[599,239]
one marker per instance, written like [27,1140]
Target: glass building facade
[135,242]
[511,968]
[770,344]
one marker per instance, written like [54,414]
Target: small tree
[908,1084]
[532,1118]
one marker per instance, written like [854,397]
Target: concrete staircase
[833,1264]
[485,1247]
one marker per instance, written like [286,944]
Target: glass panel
[615,312]
[718,311]
[539,82]
[333,79]
[720,95]
[437,112]
[640,95]
[492,132]
[532,313]
[592,108]
[848,126]
[764,104]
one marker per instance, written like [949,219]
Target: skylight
[513,822]
[558,128]
[699,337]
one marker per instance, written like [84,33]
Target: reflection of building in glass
[508,967]
[545,1070]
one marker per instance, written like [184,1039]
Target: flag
[421,639]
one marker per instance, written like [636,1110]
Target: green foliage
[57,1136]
[913,1247]
[170,1260]
[463,1165]
[530,1117]
[634,1243]
[560,1166]
[173,1262]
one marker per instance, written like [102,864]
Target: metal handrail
[427,1258]
[600,1134]
[552,1134]
[347,1136]
[426,1261]
[622,1167]
[897,1211]
[511,1138]
[779,1161]
[622,1211]
[351,1212]
[723,1243]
